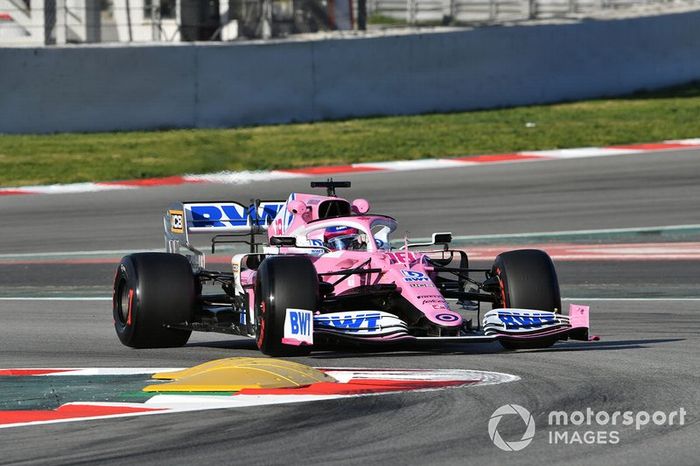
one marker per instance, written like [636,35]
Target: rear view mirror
[442,238]
[296,207]
[283,241]
[360,206]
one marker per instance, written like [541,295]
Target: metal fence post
[49,20]
[60,29]
[362,15]
[530,9]
[266,19]
[93,21]
[155,33]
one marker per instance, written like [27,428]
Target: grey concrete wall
[96,89]
[219,85]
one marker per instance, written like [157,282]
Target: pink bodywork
[409,271]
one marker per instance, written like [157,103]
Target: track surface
[647,359]
[606,192]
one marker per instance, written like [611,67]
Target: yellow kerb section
[234,374]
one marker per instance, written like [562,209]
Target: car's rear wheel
[151,292]
[528,280]
[282,282]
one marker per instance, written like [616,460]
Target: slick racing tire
[282,282]
[152,291]
[528,280]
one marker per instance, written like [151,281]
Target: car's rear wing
[182,219]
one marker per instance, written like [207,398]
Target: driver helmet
[344,238]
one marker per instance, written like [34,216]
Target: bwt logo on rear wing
[218,217]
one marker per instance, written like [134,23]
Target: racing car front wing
[504,325]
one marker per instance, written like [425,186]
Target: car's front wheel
[151,292]
[283,282]
[527,280]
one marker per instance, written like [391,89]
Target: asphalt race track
[647,359]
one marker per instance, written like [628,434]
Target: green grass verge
[63,158]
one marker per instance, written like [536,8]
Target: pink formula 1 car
[328,275]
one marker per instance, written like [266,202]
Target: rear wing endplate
[185,218]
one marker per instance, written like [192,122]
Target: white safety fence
[494,11]
[58,22]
